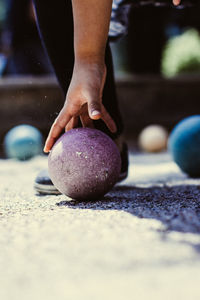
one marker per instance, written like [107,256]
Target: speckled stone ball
[184,145]
[84,164]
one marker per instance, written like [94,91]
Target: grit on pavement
[141,241]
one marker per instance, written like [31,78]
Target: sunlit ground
[142,241]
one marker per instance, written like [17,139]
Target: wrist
[90,58]
[90,63]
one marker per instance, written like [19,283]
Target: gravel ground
[141,241]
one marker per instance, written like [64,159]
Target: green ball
[181,54]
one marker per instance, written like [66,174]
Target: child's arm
[84,97]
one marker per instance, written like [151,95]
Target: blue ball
[184,144]
[23,142]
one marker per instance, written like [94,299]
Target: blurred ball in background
[23,142]
[153,138]
[182,54]
[184,145]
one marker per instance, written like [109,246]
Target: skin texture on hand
[84,101]
[84,97]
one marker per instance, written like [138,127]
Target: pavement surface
[142,241]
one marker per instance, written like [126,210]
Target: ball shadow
[177,207]
[165,195]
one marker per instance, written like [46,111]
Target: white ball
[153,138]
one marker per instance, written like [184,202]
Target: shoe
[43,184]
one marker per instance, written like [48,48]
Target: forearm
[91,26]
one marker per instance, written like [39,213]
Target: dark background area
[149,29]
[33,97]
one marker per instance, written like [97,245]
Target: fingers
[73,123]
[56,130]
[94,109]
[97,111]
[86,121]
[108,120]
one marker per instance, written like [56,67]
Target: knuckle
[95,105]
[72,109]
[57,123]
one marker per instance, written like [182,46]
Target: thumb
[94,109]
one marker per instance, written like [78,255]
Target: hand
[83,100]
[176,2]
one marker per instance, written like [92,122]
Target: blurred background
[157,68]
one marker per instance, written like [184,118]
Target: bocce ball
[184,145]
[23,142]
[181,54]
[153,138]
[84,164]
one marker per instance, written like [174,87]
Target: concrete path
[142,241]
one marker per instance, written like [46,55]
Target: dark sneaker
[43,184]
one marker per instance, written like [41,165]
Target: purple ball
[84,164]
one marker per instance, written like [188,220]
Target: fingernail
[45,150]
[95,113]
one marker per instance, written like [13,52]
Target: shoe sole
[46,189]
[122,176]
[51,190]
